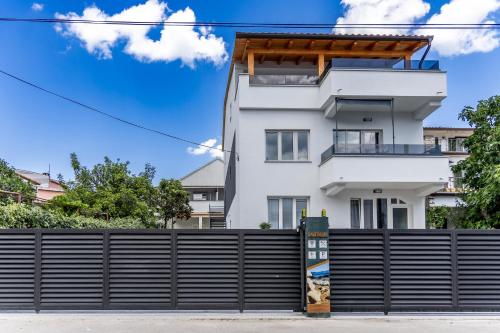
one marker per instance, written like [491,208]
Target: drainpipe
[424,55]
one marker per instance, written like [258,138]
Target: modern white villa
[206,188]
[451,141]
[335,122]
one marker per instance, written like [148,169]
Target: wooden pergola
[321,48]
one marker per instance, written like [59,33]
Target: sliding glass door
[356,141]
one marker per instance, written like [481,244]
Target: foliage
[26,216]
[437,217]
[265,225]
[108,190]
[10,181]
[172,201]
[481,170]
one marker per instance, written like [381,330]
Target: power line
[91,108]
[261,24]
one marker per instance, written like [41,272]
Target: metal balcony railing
[381,149]
[455,184]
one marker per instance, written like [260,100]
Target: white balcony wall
[203,206]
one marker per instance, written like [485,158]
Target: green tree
[11,182]
[108,190]
[172,201]
[481,170]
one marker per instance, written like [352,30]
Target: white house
[206,188]
[451,142]
[321,121]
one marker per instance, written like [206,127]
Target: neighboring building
[331,121]
[46,187]
[451,142]
[206,188]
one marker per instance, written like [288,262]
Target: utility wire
[262,24]
[91,108]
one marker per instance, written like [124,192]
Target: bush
[24,216]
[265,225]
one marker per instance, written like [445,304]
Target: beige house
[206,188]
[46,187]
[451,141]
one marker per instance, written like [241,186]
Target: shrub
[265,225]
[23,216]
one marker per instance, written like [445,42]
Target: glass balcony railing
[381,149]
[360,63]
[272,79]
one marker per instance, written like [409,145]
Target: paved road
[246,323]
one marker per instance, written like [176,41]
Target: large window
[456,144]
[354,141]
[285,213]
[287,145]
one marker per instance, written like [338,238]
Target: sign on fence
[317,266]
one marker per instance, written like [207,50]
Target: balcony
[381,149]
[413,90]
[419,168]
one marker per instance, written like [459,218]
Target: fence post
[173,253]
[387,271]
[454,270]
[105,268]
[38,270]
[241,269]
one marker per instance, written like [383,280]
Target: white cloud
[208,146]
[455,42]
[188,44]
[381,11]
[447,42]
[37,7]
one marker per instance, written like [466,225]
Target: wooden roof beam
[299,60]
[262,58]
[281,59]
[310,45]
[245,49]
[371,46]
[269,43]
[353,44]
[289,44]
[392,47]
[332,45]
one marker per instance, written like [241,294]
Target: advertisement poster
[317,266]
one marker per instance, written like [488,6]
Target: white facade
[206,188]
[375,186]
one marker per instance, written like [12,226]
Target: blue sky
[178,97]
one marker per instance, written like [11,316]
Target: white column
[200,222]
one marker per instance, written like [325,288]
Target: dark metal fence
[372,270]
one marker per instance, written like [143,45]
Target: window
[300,204]
[285,213]
[456,144]
[287,145]
[199,196]
[368,214]
[355,213]
[400,218]
[272,146]
[354,141]
[273,213]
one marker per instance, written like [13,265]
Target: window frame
[294,209]
[295,145]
